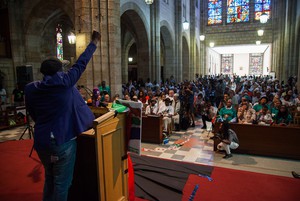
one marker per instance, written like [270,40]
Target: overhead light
[149,1]
[260,32]
[130,59]
[72,38]
[211,44]
[186,25]
[263,18]
[202,37]
[258,42]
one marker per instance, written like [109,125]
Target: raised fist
[96,37]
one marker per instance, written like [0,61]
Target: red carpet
[239,185]
[21,178]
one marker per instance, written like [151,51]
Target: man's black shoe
[203,127]
[193,125]
[227,156]
[295,175]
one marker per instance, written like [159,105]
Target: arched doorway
[132,62]
[133,31]
[41,36]
[167,53]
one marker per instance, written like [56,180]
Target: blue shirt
[57,107]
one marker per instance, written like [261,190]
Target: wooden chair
[295,115]
[296,118]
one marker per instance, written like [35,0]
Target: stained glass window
[214,12]
[262,6]
[256,64]
[237,11]
[59,42]
[227,64]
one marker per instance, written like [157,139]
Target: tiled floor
[195,146]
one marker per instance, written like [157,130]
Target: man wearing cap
[152,108]
[60,114]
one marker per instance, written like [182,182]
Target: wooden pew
[275,141]
[152,129]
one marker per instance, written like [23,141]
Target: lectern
[101,166]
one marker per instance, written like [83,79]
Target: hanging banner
[133,125]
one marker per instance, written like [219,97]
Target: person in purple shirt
[60,114]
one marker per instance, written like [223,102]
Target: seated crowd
[246,100]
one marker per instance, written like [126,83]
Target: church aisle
[194,146]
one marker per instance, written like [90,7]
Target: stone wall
[32,27]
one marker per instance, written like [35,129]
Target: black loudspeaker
[24,75]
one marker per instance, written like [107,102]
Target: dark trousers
[204,119]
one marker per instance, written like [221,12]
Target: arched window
[237,11]
[59,42]
[256,64]
[214,12]
[262,6]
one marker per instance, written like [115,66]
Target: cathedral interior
[159,41]
[150,39]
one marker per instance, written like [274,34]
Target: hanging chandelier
[263,18]
[149,1]
[72,38]
[186,25]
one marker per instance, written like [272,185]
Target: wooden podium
[152,129]
[101,165]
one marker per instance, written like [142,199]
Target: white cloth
[227,147]
[149,108]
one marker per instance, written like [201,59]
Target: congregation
[262,100]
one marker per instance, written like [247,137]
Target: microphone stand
[87,90]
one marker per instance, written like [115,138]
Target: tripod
[28,127]
[30,131]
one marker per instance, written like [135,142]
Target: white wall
[241,64]
[213,62]
[267,61]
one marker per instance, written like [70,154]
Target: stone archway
[167,52]
[133,30]
[185,60]
[40,32]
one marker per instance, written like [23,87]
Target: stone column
[293,40]
[178,41]
[17,39]
[102,16]
[155,41]
[192,62]
[202,32]
[297,48]
[285,50]
[278,36]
